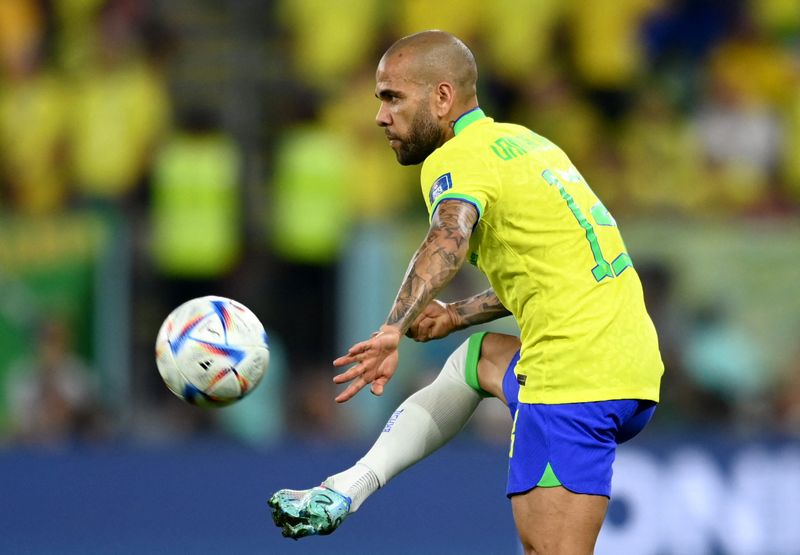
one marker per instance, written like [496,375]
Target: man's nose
[383,118]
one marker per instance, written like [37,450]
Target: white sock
[421,424]
[357,482]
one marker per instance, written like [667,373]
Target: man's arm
[434,264]
[479,309]
[439,319]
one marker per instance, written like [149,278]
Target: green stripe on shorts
[549,478]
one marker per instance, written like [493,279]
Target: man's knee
[496,352]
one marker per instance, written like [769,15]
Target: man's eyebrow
[383,93]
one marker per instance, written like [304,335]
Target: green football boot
[310,512]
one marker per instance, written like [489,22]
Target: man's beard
[424,138]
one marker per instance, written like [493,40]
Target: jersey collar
[467,118]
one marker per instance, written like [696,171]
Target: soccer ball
[212,351]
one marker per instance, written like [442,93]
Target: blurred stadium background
[153,151]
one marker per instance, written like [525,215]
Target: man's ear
[444,98]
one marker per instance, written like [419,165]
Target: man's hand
[436,320]
[374,360]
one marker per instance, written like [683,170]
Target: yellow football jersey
[556,260]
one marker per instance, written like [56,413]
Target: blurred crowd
[229,147]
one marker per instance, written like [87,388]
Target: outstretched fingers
[373,362]
[356,356]
[377,386]
[351,390]
[353,353]
[354,374]
[349,374]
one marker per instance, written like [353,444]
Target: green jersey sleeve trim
[459,196]
[473,355]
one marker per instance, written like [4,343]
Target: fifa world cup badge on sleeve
[442,184]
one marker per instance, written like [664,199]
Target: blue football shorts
[572,444]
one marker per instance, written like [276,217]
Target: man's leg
[560,469]
[432,416]
[423,423]
[554,520]
[496,352]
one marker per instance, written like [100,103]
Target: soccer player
[511,202]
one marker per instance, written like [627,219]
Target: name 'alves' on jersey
[555,259]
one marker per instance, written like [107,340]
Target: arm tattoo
[479,309]
[436,261]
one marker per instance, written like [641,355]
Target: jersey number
[603,269]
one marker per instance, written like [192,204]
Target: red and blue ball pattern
[212,351]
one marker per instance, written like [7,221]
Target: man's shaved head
[425,82]
[433,56]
